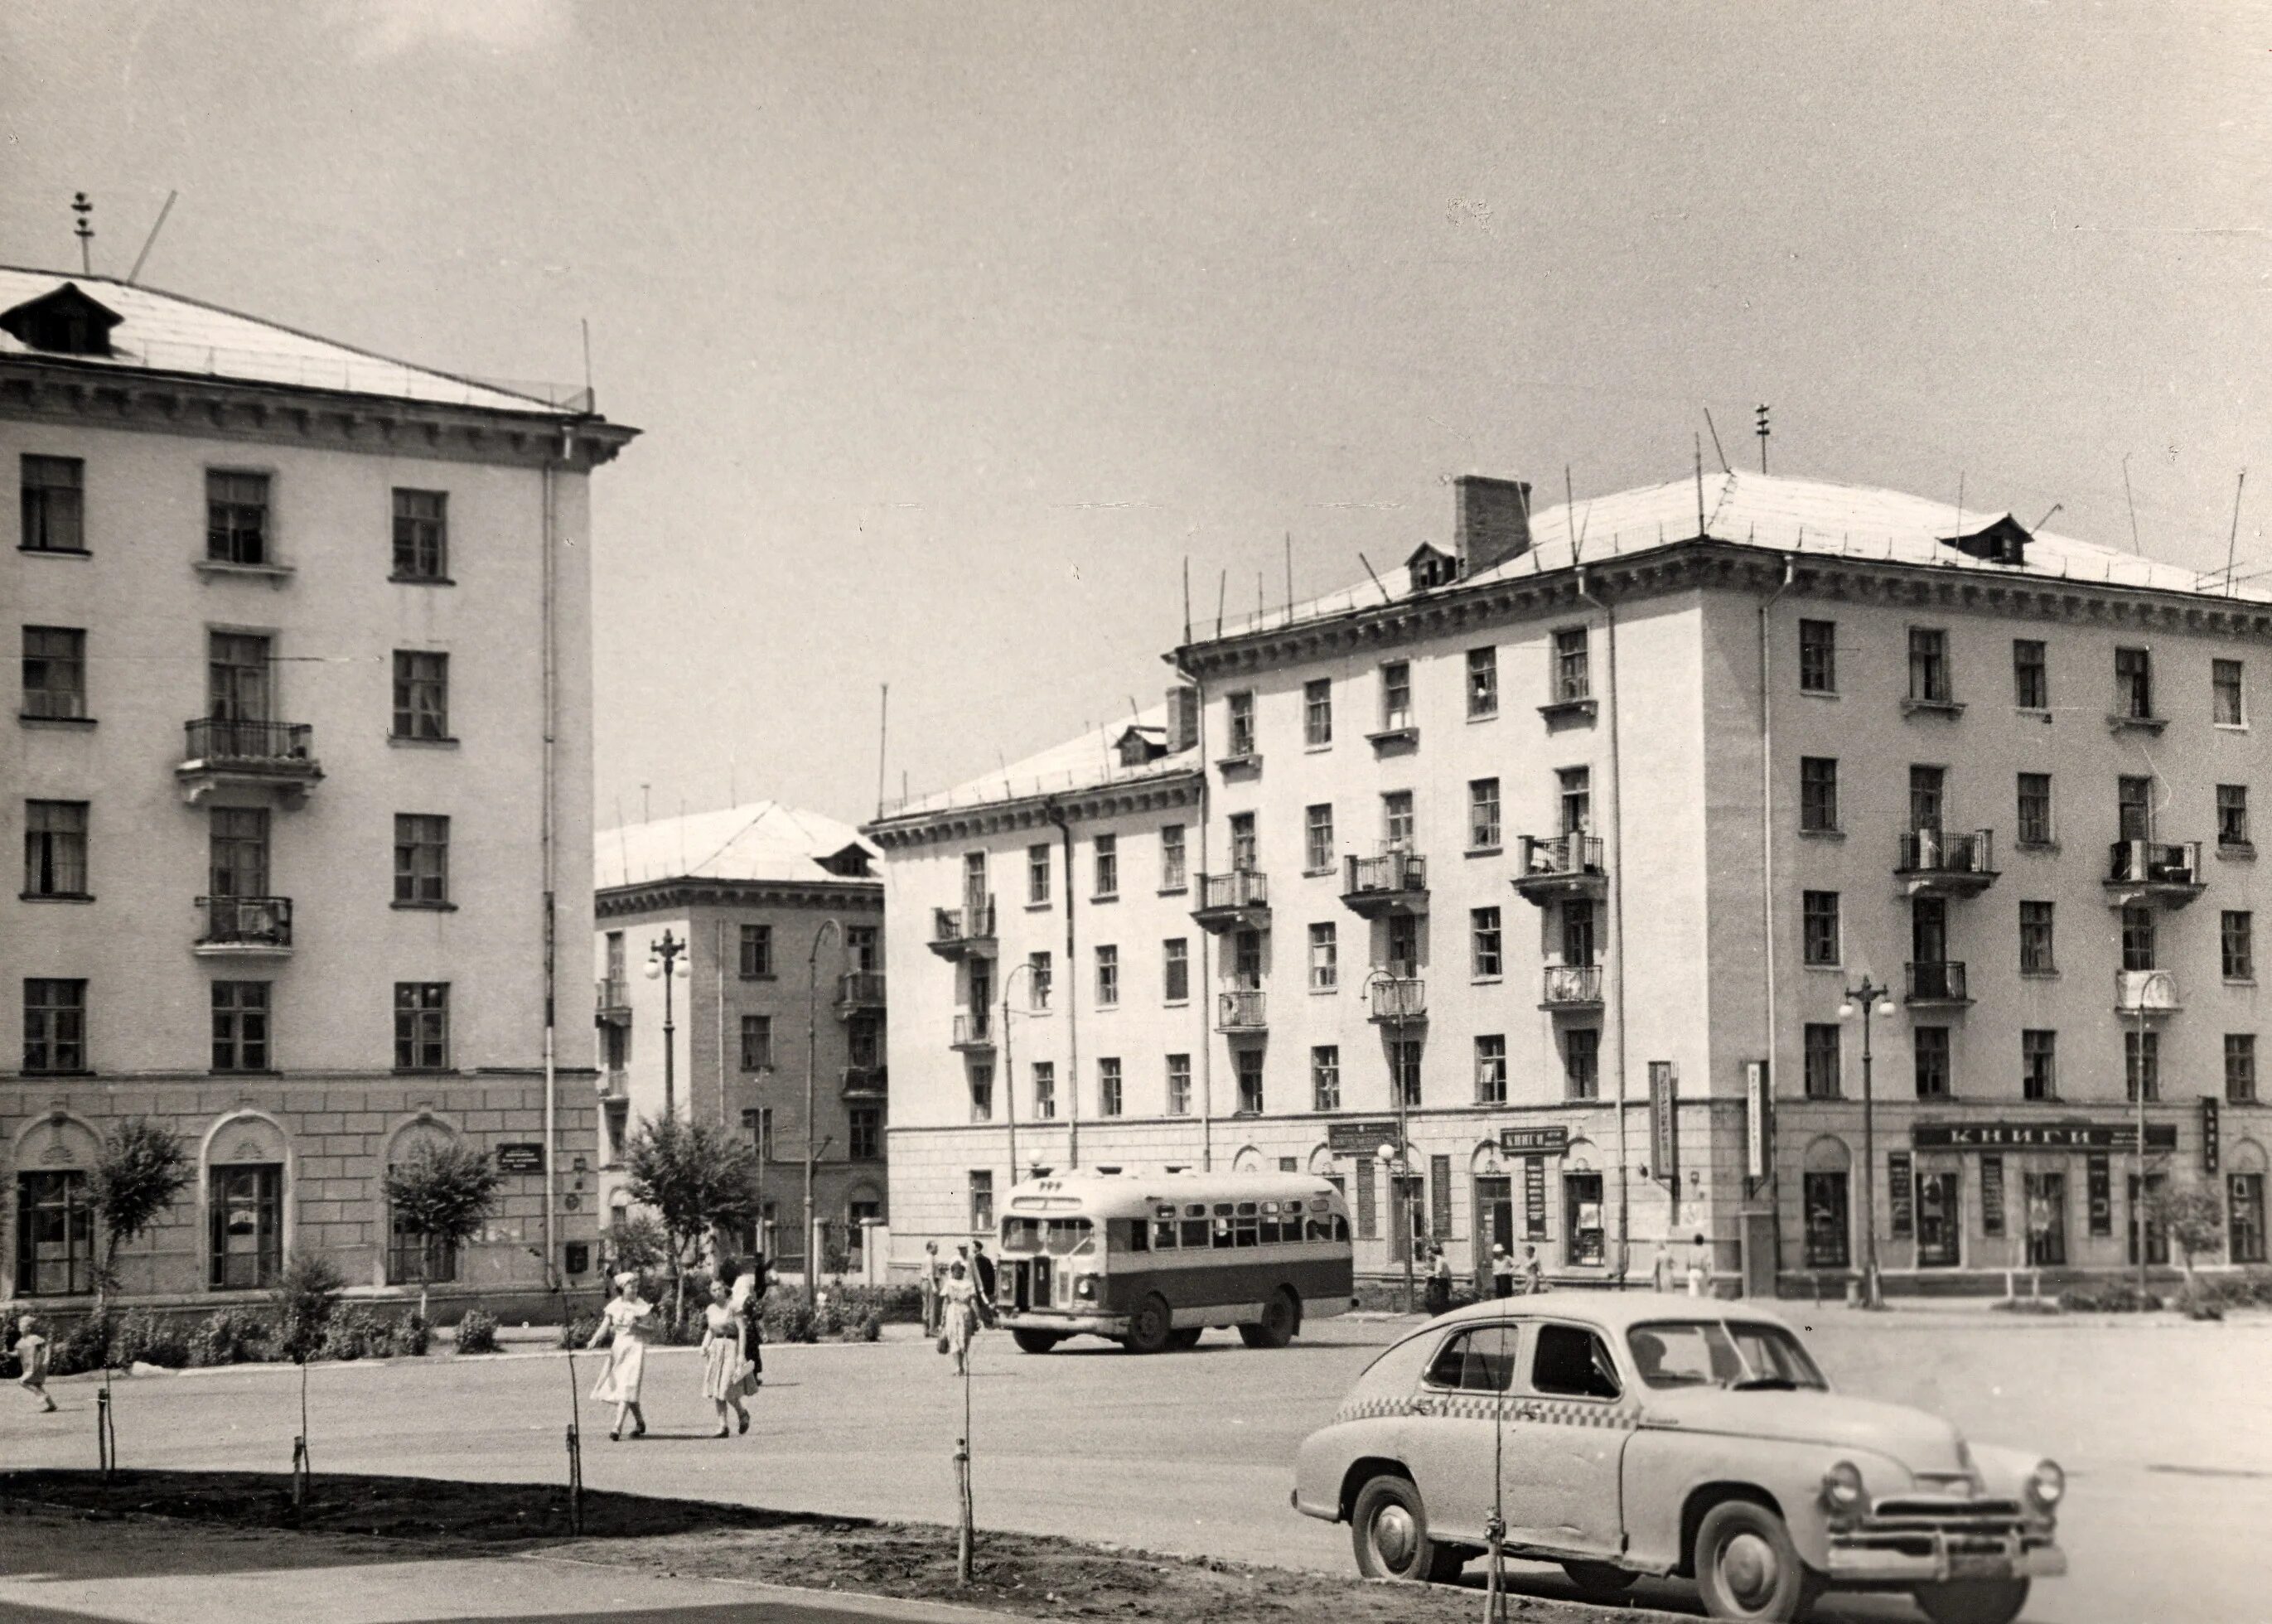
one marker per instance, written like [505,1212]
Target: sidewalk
[56,1568]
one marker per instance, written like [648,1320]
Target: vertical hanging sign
[2099,1173]
[1665,1122]
[2209,1132]
[1534,1197]
[1900,1192]
[1758,1125]
[1992,1194]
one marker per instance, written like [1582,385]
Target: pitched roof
[169,333]
[761,841]
[1088,762]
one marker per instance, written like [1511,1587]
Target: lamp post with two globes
[1870,999]
[666,962]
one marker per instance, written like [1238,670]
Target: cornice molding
[1100,801]
[682,892]
[288,414]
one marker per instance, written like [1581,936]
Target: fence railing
[1936,981]
[217,739]
[2149,861]
[1572,984]
[1391,871]
[246,920]
[1934,851]
[1242,888]
[1240,1009]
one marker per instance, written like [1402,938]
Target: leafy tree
[696,1178]
[305,1294]
[444,1194]
[2192,1220]
[140,1171]
[637,1241]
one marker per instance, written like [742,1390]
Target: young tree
[635,1241]
[2192,1220]
[444,1194]
[696,1178]
[140,1171]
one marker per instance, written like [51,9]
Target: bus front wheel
[1280,1318]
[1151,1325]
[1034,1342]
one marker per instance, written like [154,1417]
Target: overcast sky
[955,328]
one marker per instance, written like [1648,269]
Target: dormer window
[1998,540]
[65,322]
[851,863]
[1428,567]
[1140,744]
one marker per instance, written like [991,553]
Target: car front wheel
[1973,1601]
[1389,1529]
[1747,1567]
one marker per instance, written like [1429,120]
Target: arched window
[244,1204]
[412,1256]
[55,1226]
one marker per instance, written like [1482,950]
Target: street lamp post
[1009,1081]
[1398,1159]
[1868,999]
[812,1040]
[666,962]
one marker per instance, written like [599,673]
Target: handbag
[942,1342]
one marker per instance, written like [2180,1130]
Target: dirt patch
[1020,1574]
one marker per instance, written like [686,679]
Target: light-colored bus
[1151,1259]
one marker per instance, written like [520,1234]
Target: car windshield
[1742,1355]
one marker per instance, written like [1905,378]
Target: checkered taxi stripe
[1477,1407]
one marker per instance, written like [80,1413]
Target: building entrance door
[2046,1195]
[1940,1222]
[1494,1223]
[1581,1218]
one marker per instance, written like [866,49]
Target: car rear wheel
[1973,1601]
[1151,1325]
[1389,1529]
[1599,1581]
[1281,1316]
[1034,1342]
[1747,1567]
[1184,1338]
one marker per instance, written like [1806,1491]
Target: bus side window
[1195,1231]
[1163,1234]
[1139,1236]
[1341,1227]
[1320,1228]
[1249,1224]
[1270,1223]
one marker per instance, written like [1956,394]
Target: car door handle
[1423,1406]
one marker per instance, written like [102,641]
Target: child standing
[32,1352]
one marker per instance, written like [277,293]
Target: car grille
[1919,1524]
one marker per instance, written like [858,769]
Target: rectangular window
[1927,796]
[1818,656]
[757,1042]
[236,516]
[1108,976]
[1325,959]
[237,684]
[1403,956]
[2141,1053]
[1395,696]
[2137,938]
[1490,1070]
[1037,875]
[1929,1044]
[757,952]
[1483,682]
[1039,972]
[1823,1067]
[2031,681]
[1575,787]
[1573,680]
[1404,1073]
[2232,817]
[1483,814]
[2236,944]
[1929,666]
[2133,801]
[2226,707]
[54,848]
[1244,843]
[54,504]
[421,858]
[1045,1090]
[2037,954]
[864,1128]
[1818,793]
[240,1026]
[1396,820]
[1176,969]
[1326,1077]
[1179,1085]
[54,1235]
[981,1090]
[54,1027]
[1578,931]
[2034,811]
[2133,683]
[1171,857]
[2240,1068]
[1107,849]
[421,694]
[2038,1064]
[1485,938]
[421,536]
[1581,1063]
[1250,1082]
[1246,961]
[422,1026]
[1318,839]
[245,1247]
[864,946]
[54,673]
[982,1202]
[1108,1087]
[1318,712]
[1819,918]
[1240,726]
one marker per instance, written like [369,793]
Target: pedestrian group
[733,1363]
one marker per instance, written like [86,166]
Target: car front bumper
[1879,1556]
[1069,1324]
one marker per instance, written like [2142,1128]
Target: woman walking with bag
[725,1363]
[627,1319]
[957,1304]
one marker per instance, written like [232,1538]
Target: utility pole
[811,1040]
[1397,1160]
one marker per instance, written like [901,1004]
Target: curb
[422,1361]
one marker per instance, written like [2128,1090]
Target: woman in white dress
[724,1334]
[627,1321]
[957,1302]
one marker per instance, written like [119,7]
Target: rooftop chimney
[1493,522]
[1183,718]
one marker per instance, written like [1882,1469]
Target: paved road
[2163,1427]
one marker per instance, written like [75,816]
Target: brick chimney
[1183,718]
[1493,520]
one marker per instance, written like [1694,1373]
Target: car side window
[1568,1361]
[1480,1360]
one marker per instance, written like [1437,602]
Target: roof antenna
[1187,600]
[2233,541]
[1222,586]
[1761,413]
[1570,506]
[1716,450]
[1289,578]
[591,401]
[1700,526]
[135,274]
[1960,505]
[1361,558]
[883,743]
[2046,519]
[2132,501]
[82,207]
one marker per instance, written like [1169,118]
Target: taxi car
[1622,1435]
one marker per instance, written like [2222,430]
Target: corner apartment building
[1533,880]
[771,921]
[300,773]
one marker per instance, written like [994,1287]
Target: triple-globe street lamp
[1866,1000]
[666,962]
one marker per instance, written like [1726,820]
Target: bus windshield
[1057,1237]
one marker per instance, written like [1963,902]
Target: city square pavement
[2161,1424]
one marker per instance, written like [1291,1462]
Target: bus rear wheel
[1186,1338]
[1151,1327]
[1034,1342]
[1282,1317]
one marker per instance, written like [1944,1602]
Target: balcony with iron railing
[1573,989]
[2146,871]
[958,932]
[1239,900]
[1558,868]
[612,1001]
[1241,1009]
[859,991]
[218,751]
[615,1083]
[1398,1001]
[245,926]
[1394,882]
[974,1031]
[866,1082]
[2151,994]
[1937,983]
[1935,863]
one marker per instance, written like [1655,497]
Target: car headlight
[1842,1493]
[2046,1485]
